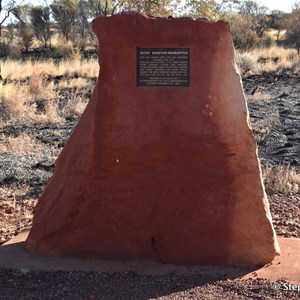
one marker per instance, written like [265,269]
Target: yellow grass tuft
[74,83]
[20,144]
[259,96]
[282,178]
[75,106]
[19,70]
[13,101]
[31,97]
[38,88]
[52,112]
[275,52]
[272,59]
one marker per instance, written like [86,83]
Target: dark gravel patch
[50,134]
[36,167]
[26,284]
[276,121]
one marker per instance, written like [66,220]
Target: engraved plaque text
[163,67]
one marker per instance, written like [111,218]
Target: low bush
[14,51]
[244,38]
[246,62]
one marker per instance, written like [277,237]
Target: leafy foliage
[40,20]
[151,7]
[207,9]
[71,19]
[64,13]
[244,37]
[293,29]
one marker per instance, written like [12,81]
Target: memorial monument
[163,164]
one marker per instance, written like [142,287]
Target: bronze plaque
[163,67]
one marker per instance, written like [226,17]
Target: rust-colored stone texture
[160,173]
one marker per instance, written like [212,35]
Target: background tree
[82,25]
[228,6]
[10,35]
[25,31]
[64,13]
[102,8]
[249,20]
[151,7]
[293,29]
[278,21]
[211,9]
[244,38]
[26,36]
[6,10]
[258,14]
[207,9]
[40,20]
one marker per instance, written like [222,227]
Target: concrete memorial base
[284,267]
[163,164]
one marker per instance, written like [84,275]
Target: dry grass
[277,59]
[259,96]
[21,100]
[273,33]
[282,178]
[14,102]
[264,127]
[20,144]
[17,101]
[39,88]
[274,51]
[75,83]
[52,112]
[75,104]
[273,59]
[49,68]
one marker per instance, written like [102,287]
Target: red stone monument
[163,163]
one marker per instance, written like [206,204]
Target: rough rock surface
[162,174]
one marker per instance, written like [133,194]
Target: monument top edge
[150,17]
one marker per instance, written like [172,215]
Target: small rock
[9,210]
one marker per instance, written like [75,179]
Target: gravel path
[28,285]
